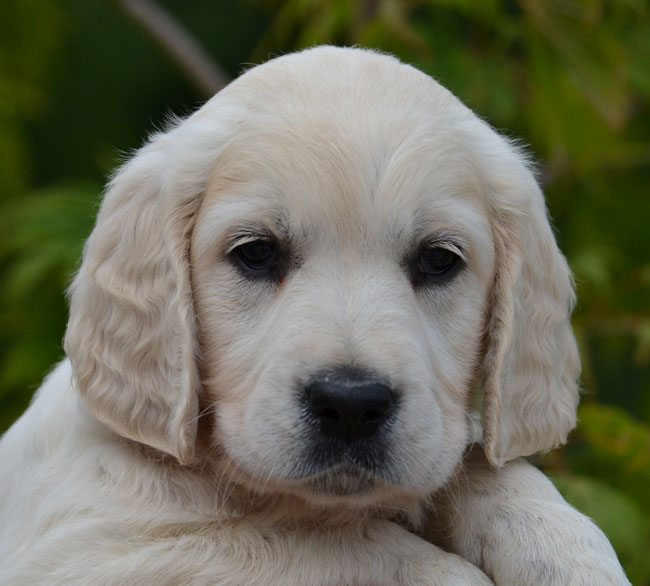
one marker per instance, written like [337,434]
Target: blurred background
[82,82]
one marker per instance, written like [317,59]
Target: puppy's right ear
[130,336]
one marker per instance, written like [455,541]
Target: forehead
[347,150]
[342,179]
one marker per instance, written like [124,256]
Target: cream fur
[172,448]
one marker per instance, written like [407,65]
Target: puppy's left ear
[531,362]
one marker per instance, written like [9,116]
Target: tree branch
[204,73]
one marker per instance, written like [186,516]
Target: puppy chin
[339,494]
[343,482]
[337,487]
[353,488]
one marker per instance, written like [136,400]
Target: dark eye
[436,261]
[435,265]
[260,256]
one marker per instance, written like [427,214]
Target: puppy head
[327,256]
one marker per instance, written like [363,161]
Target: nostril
[373,415]
[329,414]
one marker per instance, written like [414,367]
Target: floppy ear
[130,336]
[531,363]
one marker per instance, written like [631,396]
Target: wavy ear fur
[531,363]
[130,336]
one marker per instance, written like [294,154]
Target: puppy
[291,308]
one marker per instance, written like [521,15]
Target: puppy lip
[332,456]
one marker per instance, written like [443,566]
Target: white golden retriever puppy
[290,308]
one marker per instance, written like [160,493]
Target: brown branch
[206,75]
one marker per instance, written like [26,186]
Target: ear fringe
[531,363]
[131,331]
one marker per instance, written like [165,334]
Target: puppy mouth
[337,468]
[342,481]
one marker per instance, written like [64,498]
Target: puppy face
[342,251]
[323,260]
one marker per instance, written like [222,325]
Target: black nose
[349,405]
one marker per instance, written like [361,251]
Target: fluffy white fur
[171,447]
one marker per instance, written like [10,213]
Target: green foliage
[78,81]
[613,447]
[24,66]
[42,234]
